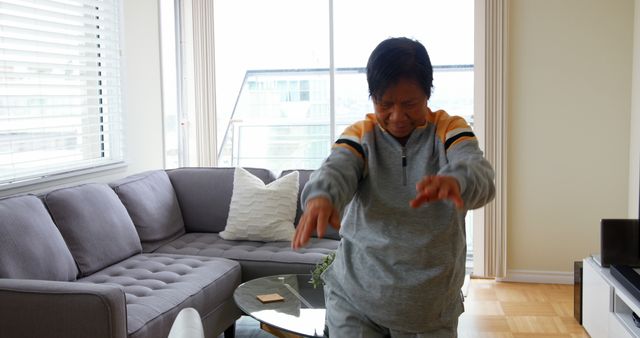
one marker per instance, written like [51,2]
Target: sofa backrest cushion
[152,204]
[31,247]
[303,178]
[95,225]
[204,195]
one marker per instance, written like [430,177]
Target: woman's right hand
[318,213]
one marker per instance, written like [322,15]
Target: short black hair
[395,59]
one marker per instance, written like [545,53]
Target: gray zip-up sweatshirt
[402,267]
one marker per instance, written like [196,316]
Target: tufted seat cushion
[158,286]
[258,259]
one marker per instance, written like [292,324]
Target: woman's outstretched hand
[437,187]
[318,214]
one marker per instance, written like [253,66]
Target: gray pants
[344,321]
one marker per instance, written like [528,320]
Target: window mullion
[332,76]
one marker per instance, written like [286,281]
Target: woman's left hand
[437,187]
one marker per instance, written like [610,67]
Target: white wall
[634,153]
[142,99]
[143,87]
[569,115]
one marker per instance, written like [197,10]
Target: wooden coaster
[270,298]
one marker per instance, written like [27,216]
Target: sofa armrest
[37,308]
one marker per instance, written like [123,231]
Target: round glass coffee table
[301,311]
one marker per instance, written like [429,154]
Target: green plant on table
[319,269]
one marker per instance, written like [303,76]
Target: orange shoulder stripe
[351,137]
[451,130]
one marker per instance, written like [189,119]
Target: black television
[623,253]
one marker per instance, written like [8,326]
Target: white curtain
[204,82]
[492,68]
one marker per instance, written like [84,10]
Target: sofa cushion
[95,225]
[31,247]
[204,195]
[158,286]
[260,212]
[303,178]
[152,204]
[258,259]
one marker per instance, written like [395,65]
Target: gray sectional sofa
[122,259]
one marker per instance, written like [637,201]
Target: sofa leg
[230,332]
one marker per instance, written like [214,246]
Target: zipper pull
[404,166]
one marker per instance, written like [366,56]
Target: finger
[457,200]
[311,223]
[323,219]
[421,199]
[307,231]
[301,223]
[443,192]
[431,190]
[302,235]
[334,220]
[296,235]
[434,186]
[454,194]
[420,186]
[422,189]
[321,230]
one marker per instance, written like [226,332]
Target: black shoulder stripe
[452,139]
[354,145]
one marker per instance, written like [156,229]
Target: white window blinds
[60,97]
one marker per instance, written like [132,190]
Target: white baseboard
[533,276]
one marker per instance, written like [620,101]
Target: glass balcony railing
[281,118]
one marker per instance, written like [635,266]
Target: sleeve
[338,177]
[465,162]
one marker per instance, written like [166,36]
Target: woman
[404,178]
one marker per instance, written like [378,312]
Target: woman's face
[402,108]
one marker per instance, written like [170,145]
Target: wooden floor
[518,310]
[498,310]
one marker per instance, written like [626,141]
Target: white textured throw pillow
[261,213]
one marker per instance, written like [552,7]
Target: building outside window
[279,123]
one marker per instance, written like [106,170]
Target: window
[272,83]
[60,99]
[290,75]
[280,77]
